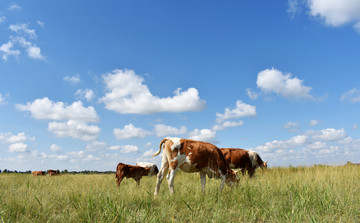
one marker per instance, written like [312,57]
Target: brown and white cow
[53,172]
[153,168]
[244,159]
[193,156]
[129,171]
[38,173]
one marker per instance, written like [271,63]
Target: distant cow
[53,172]
[129,171]
[153,168]
[38,173]
[193,156]
[243,159]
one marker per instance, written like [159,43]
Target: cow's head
[264,165]
[233,179]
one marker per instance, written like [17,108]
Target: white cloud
[293,8]
[46,109]
[117,147]
[40,23]
[7,49]
[226,124]
[130,131]
[74,129]
[352,95]
[314,122]
[129,149]
[328,134]
[55,148]
[73,79]
[165,130]
[18,147]
[206,135]
[252,95]
[127,94]
[87,94]
[95,146]
[242,110]
[14,7]
[22,29]
[2,19]
[274,81]
[291,126]
[336,13]
[10,138]
[355,126]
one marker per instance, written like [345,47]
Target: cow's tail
[160,146]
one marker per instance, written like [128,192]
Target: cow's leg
[223,179]
[119,179]
[164,168]
[251,172]
[170,179]
[203,181]
[137,179]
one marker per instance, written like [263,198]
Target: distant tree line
[63,172]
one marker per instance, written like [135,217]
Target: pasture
[301,194]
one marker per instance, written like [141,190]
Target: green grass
[302,194]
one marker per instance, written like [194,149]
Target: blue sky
[87,84]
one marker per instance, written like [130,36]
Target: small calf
[129,171]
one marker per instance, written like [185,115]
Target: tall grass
[302,194]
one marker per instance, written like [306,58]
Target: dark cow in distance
[243,159]
[53,172]
[193,156]
[38,173]
[129,171]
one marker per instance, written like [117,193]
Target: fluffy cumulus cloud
[18,147]
[275,81]
[127,94]
[129,149]
[55,148]
[226,124]
[130,131]
[336,13]
[241,110]
[87,94]
[291,126]
[46,109]
[16,142]
[24,39]
[352,95]
[313,146]
[207,135]
[165,130]
[74,129]
[73,79]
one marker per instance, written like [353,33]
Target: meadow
[292,194]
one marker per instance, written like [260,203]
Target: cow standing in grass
[193,156]
[53,172]
[243,159]
[129,171]
[38,173]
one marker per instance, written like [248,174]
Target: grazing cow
[153,168]
[53,172]
[193,156]
[243,159]
[38,173]
[129,171]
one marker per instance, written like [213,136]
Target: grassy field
[302,194]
